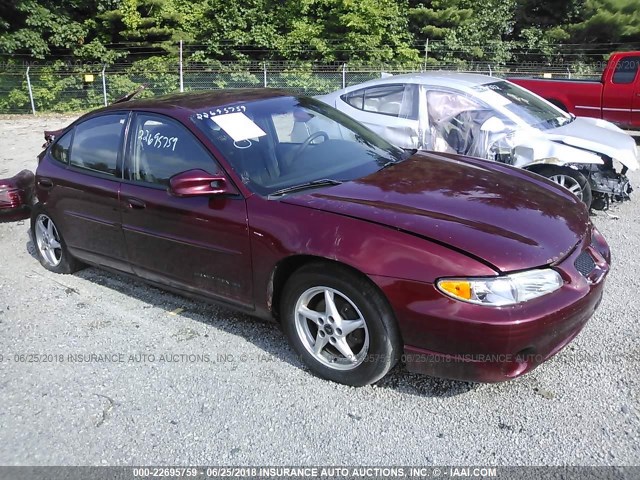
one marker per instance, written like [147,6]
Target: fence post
[264,82]
[33,105]
[344,75]
[181,77]
[426,53]
[490,72]
[104,84]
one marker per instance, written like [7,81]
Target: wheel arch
[288,266]
[537,167]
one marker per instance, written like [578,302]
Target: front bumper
[452,339]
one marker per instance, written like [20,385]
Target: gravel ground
[178,391]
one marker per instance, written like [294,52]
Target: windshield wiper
[565,120]
[409,153]
[395,162]
[388,164]
[303,186]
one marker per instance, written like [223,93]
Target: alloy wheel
[48,240]
[331,328]
[569,183]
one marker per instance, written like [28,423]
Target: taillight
[10,198]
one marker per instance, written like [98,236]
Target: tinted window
[626,70]
[161,148]
[394,100]
[60,149]
[96,143]
[279,142]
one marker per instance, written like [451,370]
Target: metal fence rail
[60,87]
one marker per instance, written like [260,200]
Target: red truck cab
[615,97]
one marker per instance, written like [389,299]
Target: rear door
[389,110]
[80,179]
[619,97]
[199,244]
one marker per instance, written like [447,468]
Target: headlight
[503,290]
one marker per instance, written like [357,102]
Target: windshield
[526,106]
[283,142]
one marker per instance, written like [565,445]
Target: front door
[199,244]
[619,95]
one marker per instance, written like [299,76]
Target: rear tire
[50,246]
[340,324]
[570,179]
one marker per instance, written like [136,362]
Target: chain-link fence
[60,87]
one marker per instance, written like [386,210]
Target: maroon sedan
[285,208]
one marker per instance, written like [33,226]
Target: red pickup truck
[615,97]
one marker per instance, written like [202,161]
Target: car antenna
[129,96]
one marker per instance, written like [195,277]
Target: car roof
[196,101]
[440,78]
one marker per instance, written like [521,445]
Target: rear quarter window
[60,149]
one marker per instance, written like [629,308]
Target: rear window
[393,100]
[626,70]
[96,144]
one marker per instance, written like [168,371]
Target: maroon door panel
[79,182]
[198,243]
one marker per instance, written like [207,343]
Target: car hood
[505,217]
[597,136]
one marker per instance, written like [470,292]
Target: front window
[280,142]
[456,123]
[162,148]
[522,104]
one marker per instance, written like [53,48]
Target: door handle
[136,203]
[45,183]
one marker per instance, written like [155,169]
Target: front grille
[584,264]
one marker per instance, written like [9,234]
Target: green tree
[153,24]
[38,28]
[614,22]
[464,30]
[347,30]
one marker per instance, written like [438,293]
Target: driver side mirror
[196,183]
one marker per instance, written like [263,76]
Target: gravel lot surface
[177,389]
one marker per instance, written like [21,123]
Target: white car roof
[440,78]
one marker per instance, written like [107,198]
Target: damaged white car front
[503,122]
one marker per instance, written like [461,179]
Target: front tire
[340,324]
[50,246]
[570,179]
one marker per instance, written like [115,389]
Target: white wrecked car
[497,120]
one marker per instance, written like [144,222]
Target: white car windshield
[524,105]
